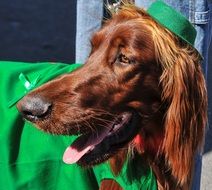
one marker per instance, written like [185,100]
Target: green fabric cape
[31,159]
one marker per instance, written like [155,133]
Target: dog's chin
[91,149]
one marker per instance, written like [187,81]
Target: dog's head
[141,86]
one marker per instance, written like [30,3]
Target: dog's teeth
[126,116]
[119,122]
[91,148]
[116,127]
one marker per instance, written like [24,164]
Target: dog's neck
[148,144]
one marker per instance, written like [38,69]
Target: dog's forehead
[126,31]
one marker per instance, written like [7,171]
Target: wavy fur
[135,64]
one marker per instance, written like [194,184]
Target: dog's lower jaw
[112,143]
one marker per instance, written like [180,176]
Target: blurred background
[206,177]
[37,30]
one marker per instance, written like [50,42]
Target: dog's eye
[123,59]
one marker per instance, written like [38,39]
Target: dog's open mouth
[93,148]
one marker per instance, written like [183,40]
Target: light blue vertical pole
[89,20]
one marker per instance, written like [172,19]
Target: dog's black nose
[34,108]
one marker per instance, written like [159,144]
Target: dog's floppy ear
[184,92]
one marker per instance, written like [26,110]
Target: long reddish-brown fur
[163,82]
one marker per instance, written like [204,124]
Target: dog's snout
[34,108]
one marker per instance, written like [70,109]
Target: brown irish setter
[141,90]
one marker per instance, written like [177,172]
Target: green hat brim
[173,21]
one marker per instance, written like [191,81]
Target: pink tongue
[72,155]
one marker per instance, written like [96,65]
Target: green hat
[173,21]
